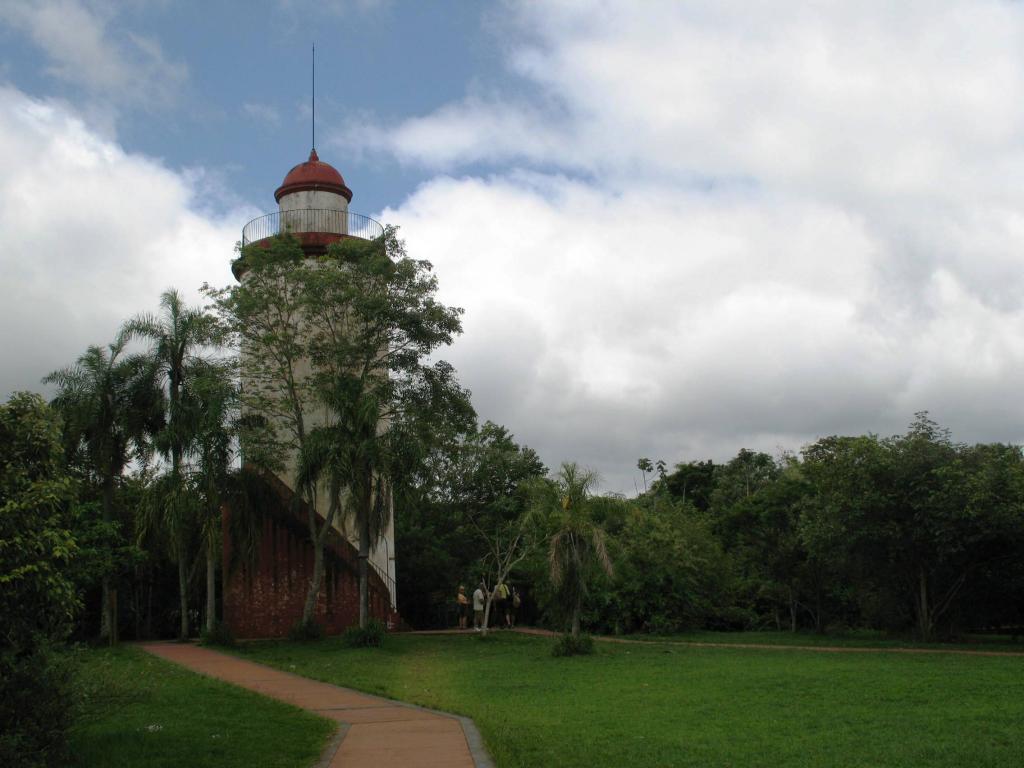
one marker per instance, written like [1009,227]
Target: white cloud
[262,113]
[777,222]
[84,50]
[90,235]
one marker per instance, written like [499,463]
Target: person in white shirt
[479,596]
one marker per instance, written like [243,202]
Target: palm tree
[178,334]
[350,457]
[576,544]
[110,404]
[215,395]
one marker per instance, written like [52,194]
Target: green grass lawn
[655,704]
[137,710]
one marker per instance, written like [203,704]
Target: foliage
[38,600]
[370,636]
[912,517]
[304,631]
[35,691]
[218,635]
[569,644]
[671,572]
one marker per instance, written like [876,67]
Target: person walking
[478,606]
[463,603]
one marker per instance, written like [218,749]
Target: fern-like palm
[576,543]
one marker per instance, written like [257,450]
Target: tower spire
[314,97]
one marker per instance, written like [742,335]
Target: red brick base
[265,598]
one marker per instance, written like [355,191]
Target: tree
[37,598]
[576,544]
[343,336]
[373,319]
[178,335]
[508,544]
[645,466]
[742,476]
[111,403]
[693,483]
[214,396]
[913,516]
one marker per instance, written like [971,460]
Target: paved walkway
[373,731]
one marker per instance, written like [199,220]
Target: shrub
[370,636]
[35,712]
[573,645]
[219,635]
[306,630]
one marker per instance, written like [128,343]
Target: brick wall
[265,598]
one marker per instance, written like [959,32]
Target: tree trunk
[924,618]
[364,546]
[149,608]
[792,611]
[108,596]
[309,609]
[576,610]
[183,594]
[487,613]
[211,588]
[364,573]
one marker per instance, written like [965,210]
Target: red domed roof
[313,175]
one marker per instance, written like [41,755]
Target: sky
[677,228]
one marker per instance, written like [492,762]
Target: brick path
[373,731]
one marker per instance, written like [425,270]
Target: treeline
[912,534]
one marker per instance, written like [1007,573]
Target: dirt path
[373,732]
[748,646]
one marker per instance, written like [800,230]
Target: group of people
[504,606]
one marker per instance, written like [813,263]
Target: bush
[219,635]
[35,709]
[570,645]
[731,619]
[370,636]
[308,630]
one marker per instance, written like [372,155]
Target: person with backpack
[500,602]
[463,606]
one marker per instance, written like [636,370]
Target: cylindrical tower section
[313,198]
[313,205]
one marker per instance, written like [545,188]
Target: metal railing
[388,582]
[312,220]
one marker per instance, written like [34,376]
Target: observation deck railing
[312,220]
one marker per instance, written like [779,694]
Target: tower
[313,205]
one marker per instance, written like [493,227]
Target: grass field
[655,704]
[137,710]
